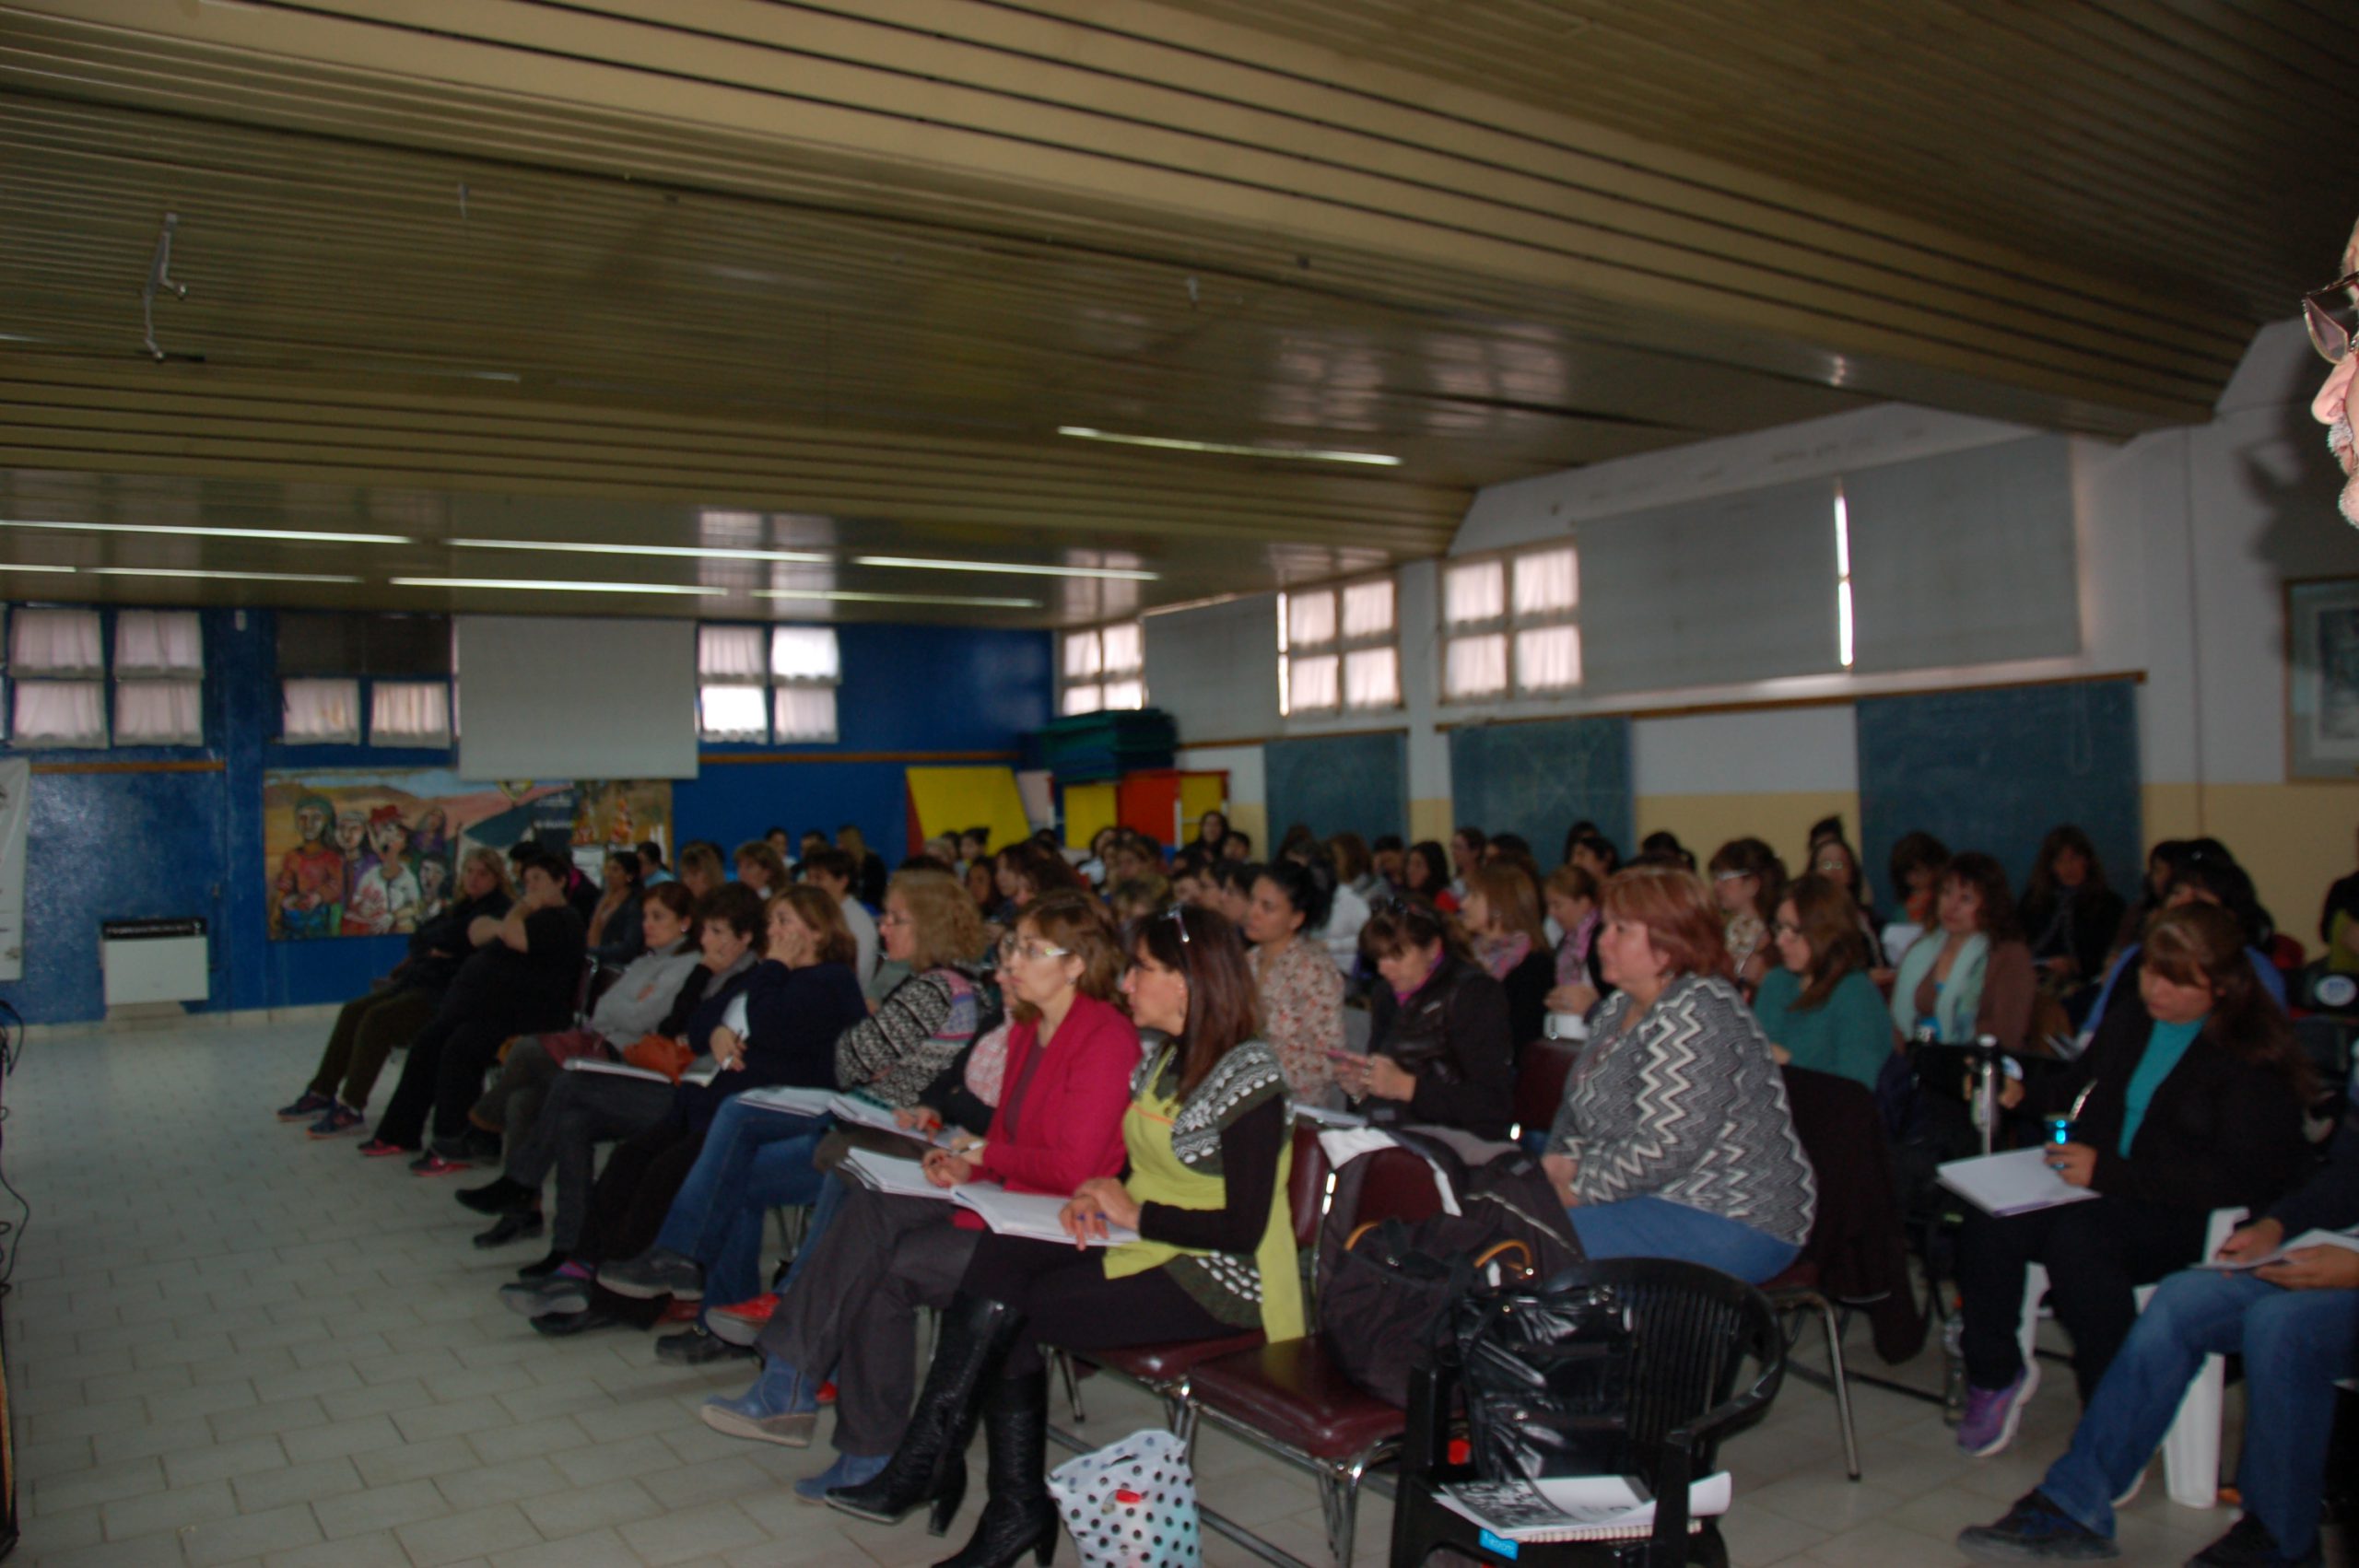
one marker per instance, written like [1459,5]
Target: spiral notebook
[1563,1508]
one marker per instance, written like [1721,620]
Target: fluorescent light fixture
[297,534]
[1123,574]
[846,596]
[20,567]
[1166,443]
[556,585]
[695,552]
[218,577]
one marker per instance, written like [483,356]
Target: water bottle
[1986,1088]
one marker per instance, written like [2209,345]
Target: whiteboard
[557,696]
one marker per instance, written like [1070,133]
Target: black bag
[1547,1372]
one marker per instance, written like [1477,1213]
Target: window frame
[1340,647]
[1099,675]
[1510,625]
[770,684]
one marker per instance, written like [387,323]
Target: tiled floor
[227,1344]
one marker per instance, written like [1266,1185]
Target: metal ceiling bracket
[159,276]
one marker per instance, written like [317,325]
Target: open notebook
[1007,1213]
[1574,1507]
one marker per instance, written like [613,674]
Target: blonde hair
[948,928]
[493,861]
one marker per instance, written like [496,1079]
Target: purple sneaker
[1992,1413]
[311,1104]
[340,1119]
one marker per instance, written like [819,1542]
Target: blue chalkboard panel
[1994,770]
[1337,784]
[1538,779]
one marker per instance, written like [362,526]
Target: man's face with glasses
[2332,319]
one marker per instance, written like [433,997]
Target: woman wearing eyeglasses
[1819,1008]
[852,1309]
[1206,1135]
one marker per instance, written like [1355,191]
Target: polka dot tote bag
[1132,1504]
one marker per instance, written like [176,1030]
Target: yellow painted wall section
[1089,809]
[1703,822]
[2295,839]
[1430,819]
[1254,822]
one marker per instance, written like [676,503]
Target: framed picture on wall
[2322,678]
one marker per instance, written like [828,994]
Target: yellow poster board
[948,800]
[1089,808]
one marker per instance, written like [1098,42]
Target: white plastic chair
[2191,1446]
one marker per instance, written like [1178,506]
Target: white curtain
[409,713]
[807,713]
[1367,609]
[59,713]
[1311,684]
[733,713]
[160,713]
[1547,582]
[1126,694]
[804,653]
[319,712]
[1474,592]
[1548,659]
[1085,698]
[1125,647]
[1475,666]
[56,642]
[1082,656]
[158,642]
[730,653]
[1311,618]
[1373,678]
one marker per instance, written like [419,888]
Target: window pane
[1548,583]
[56,642]
[807,713]
[158,713]
[1126,694]
[60,713]
[730,653]
[1548,659]
[1313,684]
[1475,592]
[1125,648]
[1373,678]
[157,642]
[319,712]
[409,713]
[1476,666]
[1311,618]
[1367,609]
[1080,655]
[804,653]
[733,713]
[1086,699]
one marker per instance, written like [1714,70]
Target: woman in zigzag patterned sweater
[1674,1140]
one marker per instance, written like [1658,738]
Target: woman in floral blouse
[1302,991]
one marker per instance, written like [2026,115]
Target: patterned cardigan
[1687,1104]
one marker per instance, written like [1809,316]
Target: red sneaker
[827,1395]
[741,1322]
[433,1165]
[378,1149]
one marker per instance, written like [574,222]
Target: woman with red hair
[1674,1140]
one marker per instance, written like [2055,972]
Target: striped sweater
[916,1033]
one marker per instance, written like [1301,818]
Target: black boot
[930,1465]
[1018,1516]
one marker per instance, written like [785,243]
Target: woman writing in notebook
[1207,1139]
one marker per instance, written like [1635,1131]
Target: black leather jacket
[1453,1034]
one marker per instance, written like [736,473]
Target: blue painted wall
[128,845]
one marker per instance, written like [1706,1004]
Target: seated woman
[1819,1008]
[1832,857]
[403,1002]
[1501,913]
[585,1109]
[614,937]
[701,870]
[1675,1140]
[1748,879]
[1971,973]
[781,1029]
[2189,1099]
[1916,865]
[1301,988]
[1439,1047]
[1572,903]
[2070,915]
[2201,871]
[853,1308]
[1208,1139]
[1425,873]
[761,868]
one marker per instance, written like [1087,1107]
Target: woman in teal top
[1818,1007]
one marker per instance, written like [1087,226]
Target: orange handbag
[660,1053]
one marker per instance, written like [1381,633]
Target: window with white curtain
[805,713]
[1102,667]
[158,642]
[733,713]
[1510,625]
[762,684]
[56,642]
[158,713]
[732,654]
[58,713]
[409,713]
[1339,648]
[320,711]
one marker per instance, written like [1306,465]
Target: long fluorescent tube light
[847,596]
[1123,574]
[1166,443]
[555,586]
[303,536]
[220,577]
[20,567]
[695,552]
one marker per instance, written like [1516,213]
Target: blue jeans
[743,1144]
[2297,1345]
[1658,1227]
[780,1176]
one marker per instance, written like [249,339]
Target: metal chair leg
[1842,1385]
[1339,1503]
[1073,1386]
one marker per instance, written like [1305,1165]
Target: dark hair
[2002,921]
[1401,924]
[982,835]
[1385,841]
[1663,848]
[765,855]
[2210,869]
[1240,835]
[831,863]
[1751,857]
[1308,890]
[628,860]
[2198,943]
[1830,924]
[1078,923]
[1825,827]
[1296,839]
[774,828]
[1223,1003]
[672,896]
[1911,853]
[740,909]
[1437,863]
[923,864]
[1599,844]
[651,851]
[1856,883]
[825,918]
[2040,886]
[534,857]
[1042,869]
[1350,856]
[1238,875]
[1474,837]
